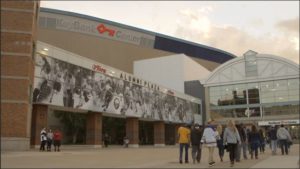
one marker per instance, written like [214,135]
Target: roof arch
[269,67]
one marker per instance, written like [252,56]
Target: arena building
[39,44]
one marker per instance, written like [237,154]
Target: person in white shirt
[43,139]
[209,139]
[49,139]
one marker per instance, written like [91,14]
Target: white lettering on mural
[75,26]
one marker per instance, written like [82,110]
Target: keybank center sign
[99,29]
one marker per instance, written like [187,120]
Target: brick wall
[159,132]
[18,36]
[94,128]
[132,130]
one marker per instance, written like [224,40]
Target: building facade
[258,88]
[66,83]
[115,44]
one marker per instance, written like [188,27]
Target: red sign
[170,92]
[99,68]
[102,29]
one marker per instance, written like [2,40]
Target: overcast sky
[233,26]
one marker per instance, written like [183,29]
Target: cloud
[291,25]
[257,22]
[236,40]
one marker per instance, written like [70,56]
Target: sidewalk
[279,162]
[143,157]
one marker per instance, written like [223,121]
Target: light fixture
[45,49]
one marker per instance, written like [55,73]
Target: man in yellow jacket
[184,142]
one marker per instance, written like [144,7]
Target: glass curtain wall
[279,97]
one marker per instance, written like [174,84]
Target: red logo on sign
[102,29]
[99,68]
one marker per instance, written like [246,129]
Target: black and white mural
[65,84]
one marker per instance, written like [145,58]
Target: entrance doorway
[146,133]
[115,128]
[170,134]
[71,124]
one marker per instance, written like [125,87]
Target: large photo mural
[60,83]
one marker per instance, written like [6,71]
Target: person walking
[220,144]
[209,139]
[231,138]
[244,140]
[238,146]
[273,139]
[254,141]
[49,140]
[196,135]
[43,138]
[283,136]
[184,141]
[262,141]
[57,136]
[106,140]
[126,141]
[247,135]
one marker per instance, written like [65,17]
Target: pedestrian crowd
[48,138]
[236,139]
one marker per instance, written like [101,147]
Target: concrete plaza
[143,157]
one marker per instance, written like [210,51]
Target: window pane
[239,94]
[293,84]
[280,110]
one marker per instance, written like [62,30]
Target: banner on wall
[278,122]
[61,83]
[95,28]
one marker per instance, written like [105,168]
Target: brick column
[159,134]
[39,121]
[94,129]
[18,36]
[132,131]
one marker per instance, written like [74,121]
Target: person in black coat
[254,141]
[220,141]
[272,134]
[196,135]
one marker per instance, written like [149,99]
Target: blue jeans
[244,148]
[220,148]
[254,149]
[186,147]
[273,146]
